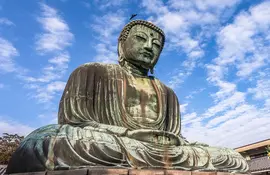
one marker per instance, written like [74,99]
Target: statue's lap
[76,147]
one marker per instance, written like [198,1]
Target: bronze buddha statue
[118,115]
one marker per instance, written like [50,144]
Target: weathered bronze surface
[123,171]
[117,115]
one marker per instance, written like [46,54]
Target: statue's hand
[155,136]
[110,129]
[198,144]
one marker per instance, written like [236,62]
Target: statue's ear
[120,53]
[119,48]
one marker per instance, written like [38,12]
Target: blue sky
[216,58]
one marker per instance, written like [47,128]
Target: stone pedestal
[119,171]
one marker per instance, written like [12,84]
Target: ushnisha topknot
[124,34]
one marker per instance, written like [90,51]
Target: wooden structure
[256,156]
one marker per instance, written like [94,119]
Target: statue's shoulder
[96,67]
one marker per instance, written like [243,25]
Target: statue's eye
[140,38]
[157,45]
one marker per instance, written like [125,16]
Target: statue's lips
[147,54]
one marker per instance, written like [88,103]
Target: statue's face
[142,46]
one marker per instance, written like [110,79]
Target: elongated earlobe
[121,58]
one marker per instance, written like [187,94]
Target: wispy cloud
[55,69]
[57,35]
[86,4]
[55,39]
[107,35]
[243,128]
[189,118]
[243,46]
[45,93]
[245,42]
[183,108]
[261,91]
[7,52]
[179,26]
[193,93]
[5,21]
[13,127]
[104,4]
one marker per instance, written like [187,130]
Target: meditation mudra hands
[155,136]
[144,135]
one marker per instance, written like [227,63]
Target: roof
[3,169]
[253,145]
[259,164]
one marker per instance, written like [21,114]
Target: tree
[268,151]
[8,144]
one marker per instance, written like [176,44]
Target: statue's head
[140,43]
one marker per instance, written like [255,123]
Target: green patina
[117,115]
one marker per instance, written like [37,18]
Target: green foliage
[8,144]
[268,151]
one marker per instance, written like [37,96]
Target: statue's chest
[141,99]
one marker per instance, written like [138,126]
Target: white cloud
[230,102]
[13,127]
[154,6]
[230,114]
[57,35]
[245,128]
[172,22]
[226,90]
[86,4]
[5,21]
[7,52]
[56,86]
[104,4]
[210,4]
[48,118]
[47,85]
[106,53]
[233,120]
[179,26]
[243,42]
[203,5]
[262,90]
[107,35]
[2,85]
[54,70]
[193,93]
[183,108]
[45,93]
[190,118]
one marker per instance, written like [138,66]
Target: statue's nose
[148,46]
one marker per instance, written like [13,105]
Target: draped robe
[95,129]
[97,92]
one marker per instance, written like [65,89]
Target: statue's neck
[135,69]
